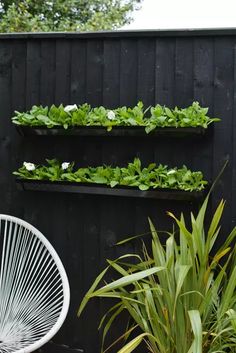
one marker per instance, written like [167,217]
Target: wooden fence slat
[78,72]
[146,72]
[183,88]
[111,72]
[165,71]
[223,132]
[48,72]
[94,72]
[33,71]
[63,74]
[128,72]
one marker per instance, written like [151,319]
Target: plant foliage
[133,175]
[60,15]
[179,295]
[84,115]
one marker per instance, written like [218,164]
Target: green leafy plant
[179,296]
[84,115]
[133,175]
[191,116]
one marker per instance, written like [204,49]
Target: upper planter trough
[122,131]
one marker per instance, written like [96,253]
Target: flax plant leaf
[177,293]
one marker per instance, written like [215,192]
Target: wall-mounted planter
[135,131]
[99,189]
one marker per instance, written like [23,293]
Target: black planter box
[135,131]
[99,189]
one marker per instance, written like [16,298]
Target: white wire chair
[34,289]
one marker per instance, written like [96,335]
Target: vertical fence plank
[183,88]
[111,81]
[6,142]
[48,72]
[78,72]
[18,99]
[233,215]
[203,76]
[19,52]
[63,59]
[128,72]
[223,132]
[33,68]
[203,93]
[91,220]
[146,71]
[165,71]
[94,72]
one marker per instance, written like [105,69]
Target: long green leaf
[196,324]
[130,347]
[228,294]
[125,281]
[88,294]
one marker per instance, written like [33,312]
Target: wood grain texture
[128,72]
[223,133]
[78,72]
[165,71]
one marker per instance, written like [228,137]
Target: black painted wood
[33,72]
[128,72]
[112,69]
[165,71]
[48,72]
[78,72]
[223,133]
[111,73]
[94,189]
[118,131]
[63,71]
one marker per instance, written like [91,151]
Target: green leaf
[125,281]
[196,324]
[90,291]
[143,187]
[133,175]
[228,293]
[113,183]
[130,347]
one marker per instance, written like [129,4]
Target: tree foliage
[60,15]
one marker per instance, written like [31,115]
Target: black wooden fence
[112,69]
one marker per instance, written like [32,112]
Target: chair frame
[65,283]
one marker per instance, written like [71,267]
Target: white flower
[111,115]
[29,166]
[65,165]
[70,108]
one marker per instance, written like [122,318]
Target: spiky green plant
[182,297]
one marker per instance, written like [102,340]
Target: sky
[160,14]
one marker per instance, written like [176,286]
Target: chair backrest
[34,289]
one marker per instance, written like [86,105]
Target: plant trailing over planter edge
[83,115]
[134,175]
